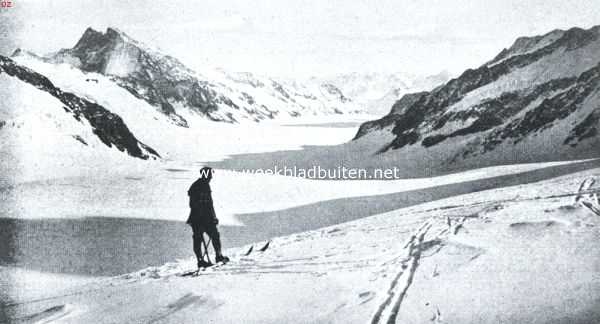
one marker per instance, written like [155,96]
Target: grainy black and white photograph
[307,161]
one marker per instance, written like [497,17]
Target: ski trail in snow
[594,208]
[414,251]
[48,315]
[578,195]
[76,290]
[181,303]
[388,310]
[257,264]
[311,268]
[588,198]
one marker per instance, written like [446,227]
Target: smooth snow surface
[521,254]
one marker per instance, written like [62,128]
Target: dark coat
[202,211]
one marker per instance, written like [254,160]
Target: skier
[202,217]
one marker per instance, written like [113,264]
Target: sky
[300,38]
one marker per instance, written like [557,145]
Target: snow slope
[521,254]
[45,130]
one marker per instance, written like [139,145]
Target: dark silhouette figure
[202,217]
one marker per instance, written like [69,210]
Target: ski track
[388,310]
[283,267]
[588,198]
[174,307]
[257,264]
[47,316]
[77,290]
[408,260]
[582,196]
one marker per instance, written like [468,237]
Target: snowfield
[513,243]
[55,169]
[453,260]
[158,190]
[521,254]
[202,138]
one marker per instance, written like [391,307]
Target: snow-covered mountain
[105,125]
[42,139]
[537,100]
[45,128]
[164,82]
[121,92]
[303,98]
[376,92]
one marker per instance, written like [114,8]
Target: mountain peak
[22,52]
[90,31]
[92,38]
[17,52]
[117,34]
[110,31]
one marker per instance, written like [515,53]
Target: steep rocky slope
[538,99]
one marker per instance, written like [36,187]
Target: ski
[197,272]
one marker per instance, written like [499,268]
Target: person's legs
[215,237]
[198,243]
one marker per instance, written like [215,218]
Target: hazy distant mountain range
[377,92]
